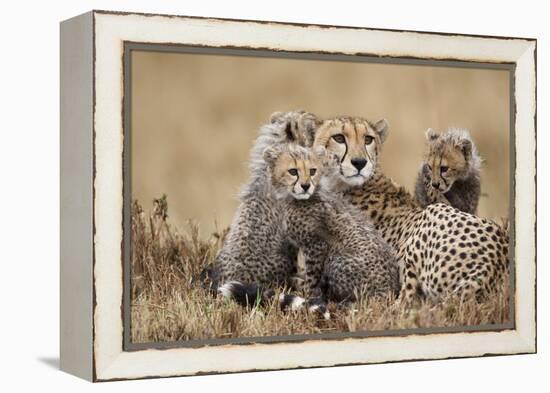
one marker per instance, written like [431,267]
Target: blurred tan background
[194,118]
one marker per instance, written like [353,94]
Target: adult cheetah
[442,250]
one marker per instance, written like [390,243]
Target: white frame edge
[76,204]
[111,30]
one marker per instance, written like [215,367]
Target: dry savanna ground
[168,302]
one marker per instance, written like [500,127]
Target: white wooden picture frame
[92,195]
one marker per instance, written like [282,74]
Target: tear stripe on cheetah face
[344,255]
[450,171]
[444,251]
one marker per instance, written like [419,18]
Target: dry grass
[169,304]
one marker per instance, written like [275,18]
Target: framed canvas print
[246,195]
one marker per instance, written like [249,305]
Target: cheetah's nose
[358,163]
[435,184]
[305,187]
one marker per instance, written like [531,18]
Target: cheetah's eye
[368,140]
[293,171]
[444,168]
[312,171]
[339,138]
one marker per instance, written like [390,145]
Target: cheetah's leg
[409,283]
[469,289]
[297,281]
[315,256]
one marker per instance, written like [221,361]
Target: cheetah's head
[356,143]
[295,170]
[449,157]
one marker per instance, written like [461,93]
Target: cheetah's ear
[283,118]
[271,154]
[308,122]
[276,117]
[466,146]
[382,128]
[431,135]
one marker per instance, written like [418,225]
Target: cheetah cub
[450,171]
[255,257]
[345,257]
